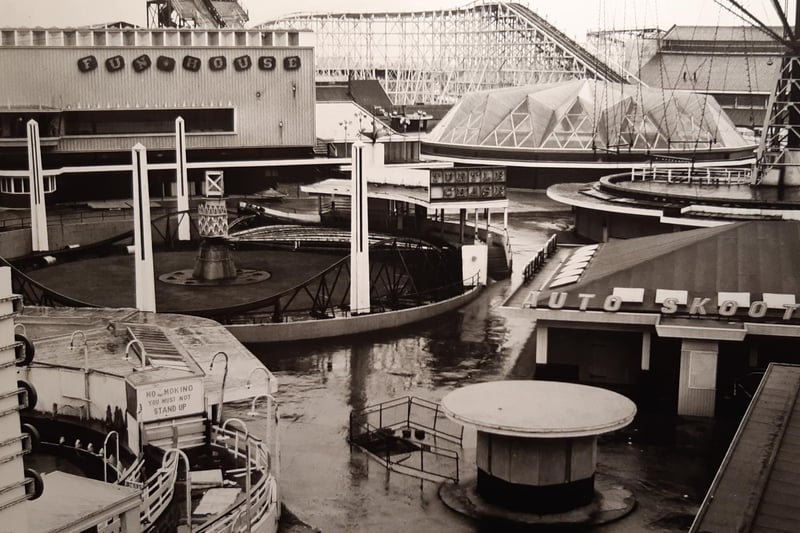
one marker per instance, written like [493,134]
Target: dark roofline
[739,487]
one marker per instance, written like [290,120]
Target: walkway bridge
[434,57]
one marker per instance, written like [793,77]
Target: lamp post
[344,124]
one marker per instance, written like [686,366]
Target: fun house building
[683,316]
[244,95]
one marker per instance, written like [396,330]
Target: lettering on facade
[115,63]
[291,63]
[192,64]
[242,63]
[141,63]
[217,63]
[266,63]
[87,64]
[670,306]
[165,64]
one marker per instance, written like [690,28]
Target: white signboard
[171,399]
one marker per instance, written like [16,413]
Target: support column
[39,241]
[697,387]
[541,345]
[505,218]
[646,350]
[476,226]
[359,231]
[182,180]
[488,215]
[142,239]
[462,222]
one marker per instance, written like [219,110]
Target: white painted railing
[158,490]
[262,499]
[699,176]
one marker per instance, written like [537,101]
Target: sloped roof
[750,257]
[587,115]
[713,73]
[719,33]
[757,487]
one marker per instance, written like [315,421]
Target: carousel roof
[586,115]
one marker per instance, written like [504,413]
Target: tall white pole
[142,239]
[359,231]
[181,180]
[39,241]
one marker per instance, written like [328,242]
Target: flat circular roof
[539,409]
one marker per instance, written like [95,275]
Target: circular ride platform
[109,281]
[537,450]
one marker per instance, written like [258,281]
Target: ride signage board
[467,183]
[166,399]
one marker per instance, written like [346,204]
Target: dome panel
[586,115]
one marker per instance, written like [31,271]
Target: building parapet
[139,37]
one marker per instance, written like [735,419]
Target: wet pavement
[667,463]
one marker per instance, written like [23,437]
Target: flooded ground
[668,464]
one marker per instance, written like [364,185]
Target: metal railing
[262,497]
[384,432]
[64,218]
[158,490]
[538,261]
[693,176]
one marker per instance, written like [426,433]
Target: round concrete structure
[537,440]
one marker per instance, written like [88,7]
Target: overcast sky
[573,17]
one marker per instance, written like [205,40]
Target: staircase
[321,147]
[499,266]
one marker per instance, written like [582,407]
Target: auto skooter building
[680,317]
[244,96]
[583,129]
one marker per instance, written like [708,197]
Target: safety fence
[538,261]
[692,176]
[261,499]
[405,434]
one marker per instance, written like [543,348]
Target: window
[147,121]
[21,185]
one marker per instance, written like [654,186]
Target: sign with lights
[467,183]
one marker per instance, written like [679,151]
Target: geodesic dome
[585,115]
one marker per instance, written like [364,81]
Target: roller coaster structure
[434,57]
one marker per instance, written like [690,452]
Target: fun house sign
[191,63]
[731,306]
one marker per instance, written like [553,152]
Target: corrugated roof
[719,33]
[753,257]
[712,73]
[757,487]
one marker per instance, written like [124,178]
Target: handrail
[701,176]
[409,402]
[158,490]
[105,454]
[538,261]
[263,495]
